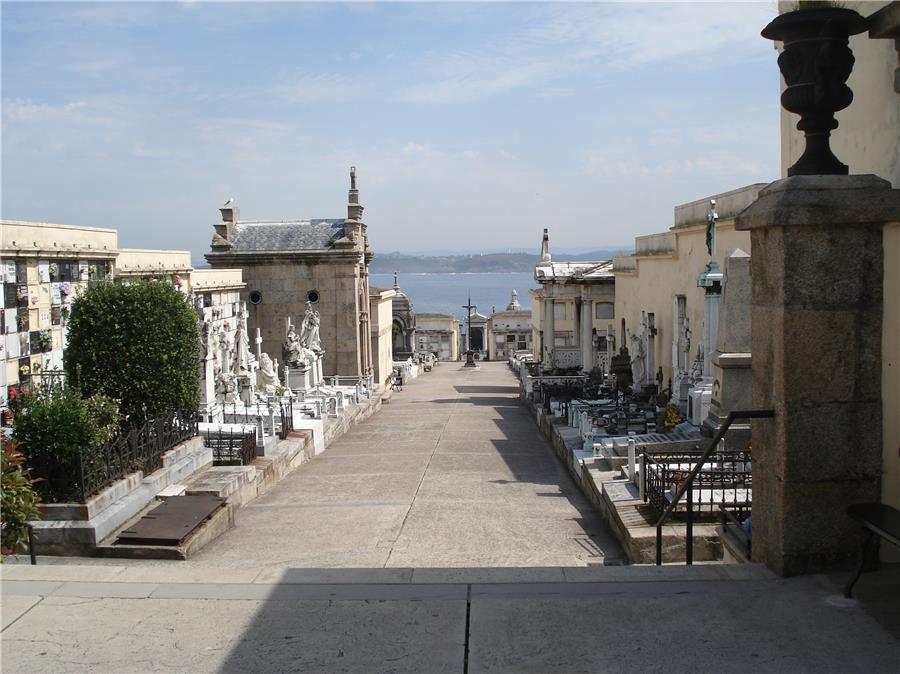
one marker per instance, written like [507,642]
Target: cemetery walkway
[452,473]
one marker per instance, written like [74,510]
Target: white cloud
[564,40]
[321,87]
[26,110]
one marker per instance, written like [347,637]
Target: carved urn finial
[816,63]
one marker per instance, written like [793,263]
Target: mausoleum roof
[259,235]
[574,271]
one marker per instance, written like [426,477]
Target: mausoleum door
[477,339]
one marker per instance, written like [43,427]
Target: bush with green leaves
[53,428]
[18,499]
[137,343]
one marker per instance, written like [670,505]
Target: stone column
[732,382]
[587,340]
[817,272]
[549,332]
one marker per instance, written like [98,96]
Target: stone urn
[816,63]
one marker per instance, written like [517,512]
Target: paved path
[450,476]
[584,619]
[453,472]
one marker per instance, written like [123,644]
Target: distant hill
[385,263]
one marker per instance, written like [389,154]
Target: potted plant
[816,62]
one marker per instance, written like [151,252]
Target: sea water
[447,293]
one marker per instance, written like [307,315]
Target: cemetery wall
[380,316]
[141,261]
[658,278]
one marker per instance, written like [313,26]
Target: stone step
[225,481]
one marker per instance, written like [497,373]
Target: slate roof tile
[318,234]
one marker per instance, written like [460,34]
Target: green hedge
[137,343]
[52,429]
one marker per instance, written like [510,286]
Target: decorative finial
[396,283]
[352,177]
[545,247]
[514,302]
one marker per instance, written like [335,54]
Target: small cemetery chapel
[287,264]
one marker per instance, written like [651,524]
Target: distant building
[286,263]
[510,330]
[404,321]
[572,312]
[381,315]
[44,267]
[438,334]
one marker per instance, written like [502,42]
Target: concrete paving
[442,535]
[451,473]
[578,619]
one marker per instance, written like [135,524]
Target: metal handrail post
[689,528]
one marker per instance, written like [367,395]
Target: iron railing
[287,418]
[138,447]
[687,485]
[727,481]
[231,448]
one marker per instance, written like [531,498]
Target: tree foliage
[137,343]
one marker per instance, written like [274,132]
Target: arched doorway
[477,341]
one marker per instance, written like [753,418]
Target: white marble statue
[638,356]
[267,376]
[242,348]
[309,331]
[686,341]
[292,350]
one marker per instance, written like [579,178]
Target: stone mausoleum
[286,263]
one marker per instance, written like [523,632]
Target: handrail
[687,485]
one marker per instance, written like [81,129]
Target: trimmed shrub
[18,499]
[137,343]
[51,429]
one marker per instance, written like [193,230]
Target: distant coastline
[500,263]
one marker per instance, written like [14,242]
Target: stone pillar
[817,270]
[586,337]
[549,333]
[732,381]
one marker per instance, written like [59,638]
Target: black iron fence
[726,481]
[136,447]
[231,448]
[287,418]
[685,487]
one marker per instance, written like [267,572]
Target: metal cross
[469,307]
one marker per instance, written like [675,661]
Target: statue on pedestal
[309,331]
[242,346]
[267,376]
[292,352]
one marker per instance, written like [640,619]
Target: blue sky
[473,125]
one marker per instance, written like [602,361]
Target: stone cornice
[274,256]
